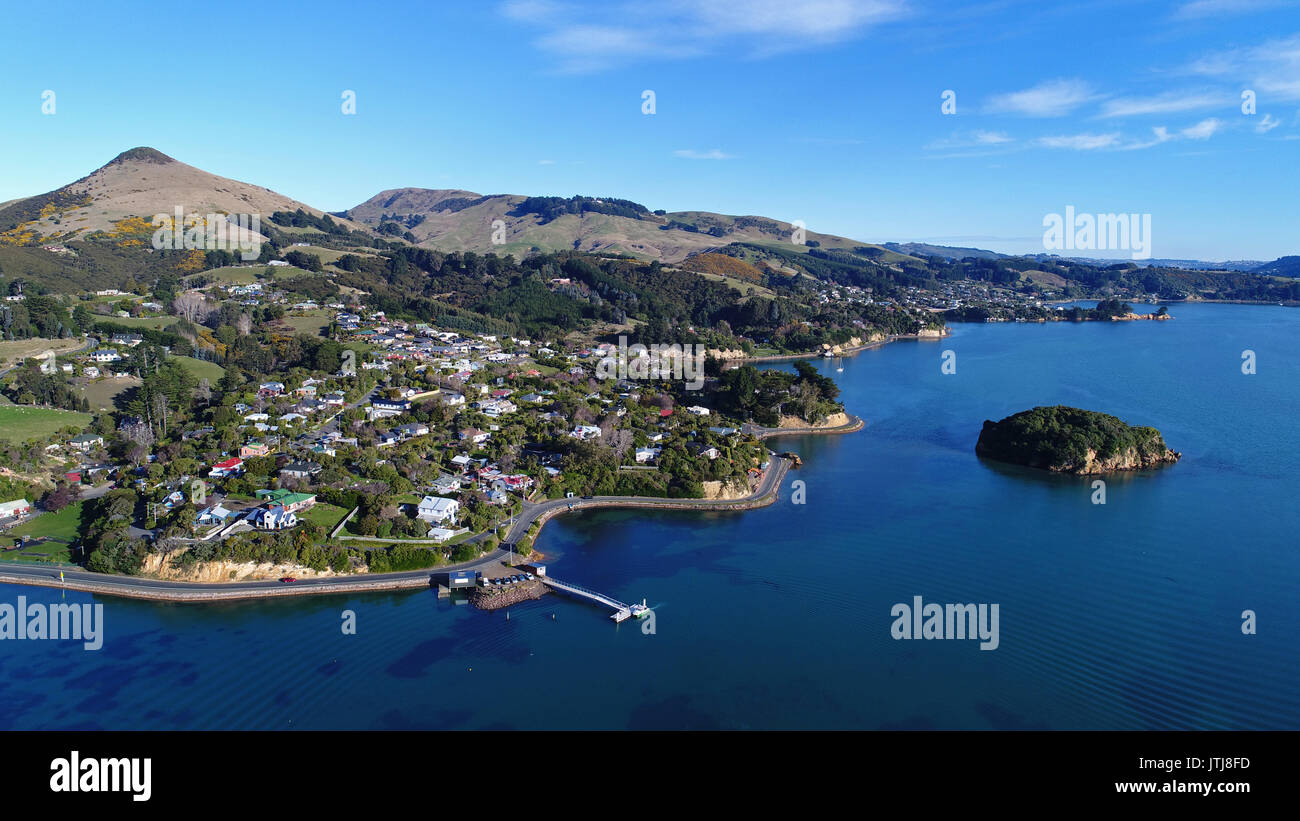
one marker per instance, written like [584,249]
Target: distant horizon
[879,120]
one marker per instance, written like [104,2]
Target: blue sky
[826,111]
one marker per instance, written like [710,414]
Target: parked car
[287,580]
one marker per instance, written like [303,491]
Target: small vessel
[828,355]
[640,610]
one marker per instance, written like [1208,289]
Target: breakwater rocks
[494,598]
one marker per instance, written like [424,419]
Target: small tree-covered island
[1070,440]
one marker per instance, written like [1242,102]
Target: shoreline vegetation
[160,590]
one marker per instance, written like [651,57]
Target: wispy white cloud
[1267,124]
[1270,69]
[1200,9]
[1080,142]
[546,162]
[711,154]
[1172,102]
[590,39]
[1054,98]
[987,142]
[1203,130]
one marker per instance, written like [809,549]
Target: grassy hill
[19,423]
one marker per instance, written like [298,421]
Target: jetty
[622,611]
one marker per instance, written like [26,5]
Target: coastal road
[48,575]
[532,512]
[852,425]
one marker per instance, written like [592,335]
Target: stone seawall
[180,594]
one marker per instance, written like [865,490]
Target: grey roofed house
[300,470]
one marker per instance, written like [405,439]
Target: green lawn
[62,525]
[324,514]
[155,322]
[201,369]
[311,324]
[101,393]
[19,423]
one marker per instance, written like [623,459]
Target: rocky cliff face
[159,566]
[1127,460]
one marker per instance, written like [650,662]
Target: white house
[274,518]
[585,432]
[647,454]
[698,410]
[86,441]
[18,507]
[105,355]
[437,509]
[446,484]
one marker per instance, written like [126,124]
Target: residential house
[216,514]
[300,470]
[411,430]
[444,485]
[86,441]
[437,509]
[18,507]
[380,408]
[253,449]
[274,518]
[292,502]
[474,436]
[230,467]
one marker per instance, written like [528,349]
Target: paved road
[531,512]
[127,583]
[331,424]
[750,428]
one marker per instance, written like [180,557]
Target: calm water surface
[1125,615]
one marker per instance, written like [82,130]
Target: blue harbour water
[1119,616]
